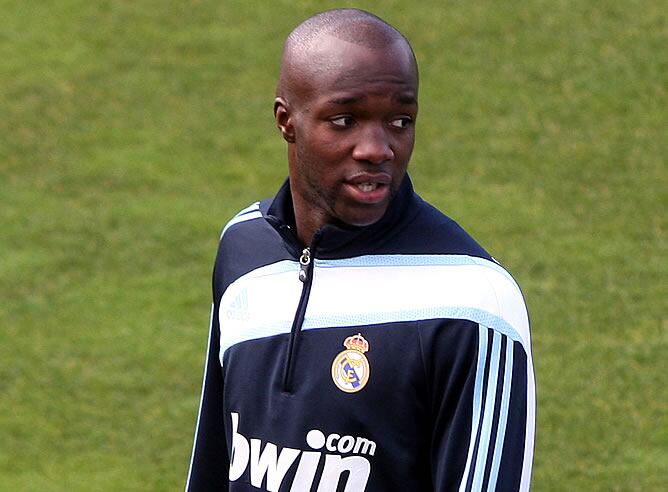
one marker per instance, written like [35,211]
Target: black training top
[393,357]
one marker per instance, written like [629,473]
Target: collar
[339,241]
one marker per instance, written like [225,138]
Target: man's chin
[363,218]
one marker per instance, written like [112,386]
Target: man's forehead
[342,65]
[328,48]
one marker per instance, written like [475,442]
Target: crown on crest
[356,342]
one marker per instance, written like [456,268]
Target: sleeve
[209,463]
[482,406]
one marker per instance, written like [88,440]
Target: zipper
[304,262]
[306,277]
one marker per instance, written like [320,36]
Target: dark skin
[348,114]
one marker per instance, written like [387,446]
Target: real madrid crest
[350,369]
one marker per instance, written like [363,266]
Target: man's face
[354,130]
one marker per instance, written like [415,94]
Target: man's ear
[284,119]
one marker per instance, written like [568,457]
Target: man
[360,340]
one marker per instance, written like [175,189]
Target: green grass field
[130,131]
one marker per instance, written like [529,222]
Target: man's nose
[373,146]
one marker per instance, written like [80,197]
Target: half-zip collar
[341,240]
[329,242]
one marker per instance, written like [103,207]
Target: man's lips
[367,178]
[369,188]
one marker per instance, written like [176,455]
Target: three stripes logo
[238,308]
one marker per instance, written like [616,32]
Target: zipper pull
[304,261]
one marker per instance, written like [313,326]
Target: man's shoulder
[245,215]
[247,242]
[433,232]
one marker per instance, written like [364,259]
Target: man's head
[346,103]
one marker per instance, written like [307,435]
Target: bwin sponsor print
[273,463]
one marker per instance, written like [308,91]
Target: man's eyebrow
[346,100]
[406,99]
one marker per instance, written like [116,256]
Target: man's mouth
[367,187]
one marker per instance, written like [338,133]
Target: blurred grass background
[130,131]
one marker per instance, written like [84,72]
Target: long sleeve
[482,394]
[210,461]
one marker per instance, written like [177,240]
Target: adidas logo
[238,308]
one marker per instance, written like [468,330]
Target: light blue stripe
[503,417]
[277,268]
[251,332]
[437,312]
[477,400]
[415,260]
[240,218]
[254,333]
[249,208]
[490,400]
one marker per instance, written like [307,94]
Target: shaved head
[352,25]
[303,56]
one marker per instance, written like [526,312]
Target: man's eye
[401,122]
[343,121]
